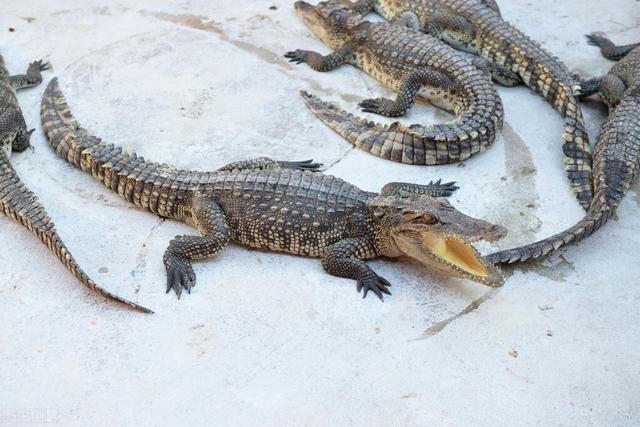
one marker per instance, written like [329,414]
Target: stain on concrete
[635,190]
[436,328]
[201,339]
[518,190]
[409,396]
[203,23]
[556,268]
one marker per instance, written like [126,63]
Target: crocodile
[412,64]
[16,200]
[477,26]
[281,206]
[617,154]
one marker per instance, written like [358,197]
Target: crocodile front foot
[383,106]
[298,56]
[37,66]
[179,274]
[374,283]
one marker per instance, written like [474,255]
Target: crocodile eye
[429,219]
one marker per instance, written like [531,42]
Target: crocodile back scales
[391,53]
[286,210]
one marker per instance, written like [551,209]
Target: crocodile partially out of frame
[617,154]
[412,64]
[477,26]
[16,200]
[281,206]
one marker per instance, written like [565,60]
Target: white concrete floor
[271,339]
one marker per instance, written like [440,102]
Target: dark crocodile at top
[617,154]
[280,206]
[411,63]
[16,200]
[477,26]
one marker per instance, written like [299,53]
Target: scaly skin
[477,26]
[280,206]
[16,200]
[617,155]
[412,64]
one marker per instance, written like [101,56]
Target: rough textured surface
[285,343]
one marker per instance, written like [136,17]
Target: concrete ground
[271,339]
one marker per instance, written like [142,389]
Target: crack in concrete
[438,327]
[341,158]
[141,259]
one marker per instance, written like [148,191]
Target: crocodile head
[330,21]
[436,234]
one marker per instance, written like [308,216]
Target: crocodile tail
[577,151]
[548,77]
[552,82]
[125,173]
[416,145]
[22,205]
[61,127]
[597,216]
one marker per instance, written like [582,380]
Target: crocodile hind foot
[266,163]
[432,189]
[608,49]
[383,106]
[32,77]
[180,274]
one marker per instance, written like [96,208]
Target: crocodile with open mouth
[281,206]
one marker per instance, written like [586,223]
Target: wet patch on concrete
[518,192]
[556,268]
[635,193]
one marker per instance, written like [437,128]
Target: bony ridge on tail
[16,200]
[281,206]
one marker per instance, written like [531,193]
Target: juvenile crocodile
[281,206]
[412,64]
[476,26]
[617,154]
[16,200]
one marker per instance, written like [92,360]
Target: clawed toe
[374,283]
[594,40]
[40,65]
[369,105]
[180,275]
[447,189]
[296,56]
[382,106]
[309,165]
